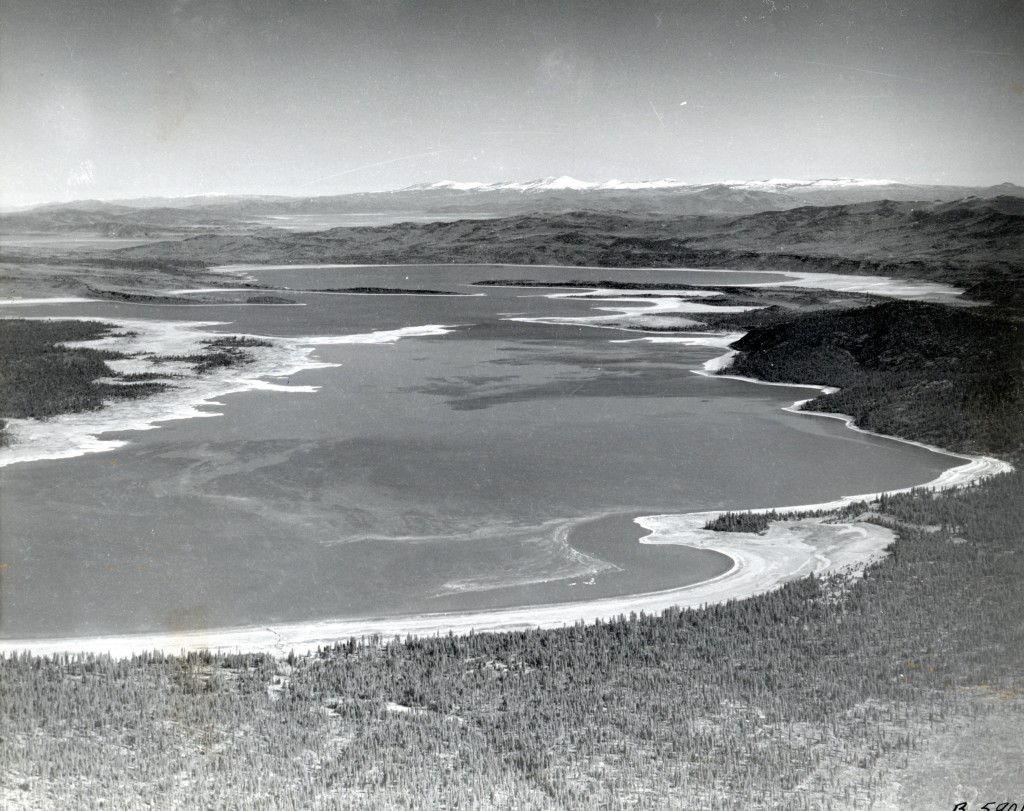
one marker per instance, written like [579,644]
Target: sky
[119,98]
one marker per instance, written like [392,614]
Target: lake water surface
[497,465]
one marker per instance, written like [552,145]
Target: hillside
[939,375]
[969,241]
[109,220]
[451,200]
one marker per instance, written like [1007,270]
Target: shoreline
[787,551]
[840,282]
[299,290]
[633,309]
[974,468]
[71,300]
[761,563]
[67,436]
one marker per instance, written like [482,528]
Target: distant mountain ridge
[566,183]
[450,199]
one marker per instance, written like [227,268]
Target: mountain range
[566,183]
[447,199]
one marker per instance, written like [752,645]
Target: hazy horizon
[228,195]
[116,100]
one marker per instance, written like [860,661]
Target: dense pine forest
[947,376]
[742,521]
[826,693]
[40,377]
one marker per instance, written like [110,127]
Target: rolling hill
[969,241]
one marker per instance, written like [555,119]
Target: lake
[497,465]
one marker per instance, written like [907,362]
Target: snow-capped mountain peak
[567,183]
[787,184]
[543,184]
[454,185]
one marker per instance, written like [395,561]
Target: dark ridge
[267,300]
[140,298]
[941,375]
[376,291]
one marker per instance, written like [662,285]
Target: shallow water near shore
[498,465]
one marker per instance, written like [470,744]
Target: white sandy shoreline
[70,435]
[850,283]
[974,468]
[760,564]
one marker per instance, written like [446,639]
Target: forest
[742,521]
[219,353]
[39,377]
[947,376]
